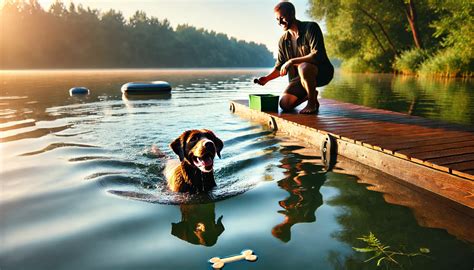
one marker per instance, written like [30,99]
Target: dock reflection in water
[428,210]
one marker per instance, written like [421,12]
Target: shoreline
[220,69]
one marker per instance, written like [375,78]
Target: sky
[250,20]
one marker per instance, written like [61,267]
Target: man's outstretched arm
[272,75]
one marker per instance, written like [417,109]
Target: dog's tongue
[206,161]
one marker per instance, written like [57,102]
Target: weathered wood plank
[462,166]
[452,159]
[436,147]
[400,145]
[466,174]
[437,154]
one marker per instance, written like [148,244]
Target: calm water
[80,188]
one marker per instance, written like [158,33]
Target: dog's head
[198,148]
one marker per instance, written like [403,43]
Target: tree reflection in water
[366,211]
[303,181]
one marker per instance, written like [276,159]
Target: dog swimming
[194,172]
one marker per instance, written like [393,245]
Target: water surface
[80,188]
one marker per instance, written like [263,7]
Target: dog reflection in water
[198,224]
[194,172]
[304,199]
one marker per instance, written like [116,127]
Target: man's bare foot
[310,108]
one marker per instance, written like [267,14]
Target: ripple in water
[57,145]
[234,175]
[103,142]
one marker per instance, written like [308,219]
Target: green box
[264,102]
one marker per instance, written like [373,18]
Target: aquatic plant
[382,253]
[448,63]
[408,62]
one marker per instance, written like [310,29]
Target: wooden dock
[437,157]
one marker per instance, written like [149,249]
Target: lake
[80,187]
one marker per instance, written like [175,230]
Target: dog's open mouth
[204,163]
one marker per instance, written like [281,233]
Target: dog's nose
[209,145]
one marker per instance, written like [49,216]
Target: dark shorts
[325,75]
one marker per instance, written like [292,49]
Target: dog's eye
[193,139]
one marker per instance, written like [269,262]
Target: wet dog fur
[194,172]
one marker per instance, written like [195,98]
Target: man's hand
[286,66]
[272,75]
[261,80]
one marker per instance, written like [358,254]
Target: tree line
[78,37]
[409,36]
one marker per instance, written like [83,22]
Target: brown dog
[196,150]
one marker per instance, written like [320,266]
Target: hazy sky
[251,20]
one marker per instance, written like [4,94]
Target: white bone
[248,255]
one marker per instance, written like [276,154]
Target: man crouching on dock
[303,57]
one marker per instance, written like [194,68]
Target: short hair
[287,7]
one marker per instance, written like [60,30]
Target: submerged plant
[382,253]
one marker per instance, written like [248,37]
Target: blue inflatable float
[78,91]
[141,88]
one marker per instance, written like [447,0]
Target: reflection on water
[364,213]
[198,224]
[80,185]
[429,211]
[440,99]
[302,181]
[127,98]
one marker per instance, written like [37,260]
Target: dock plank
[446,153]
[437,147]
[453,159]
[463,166]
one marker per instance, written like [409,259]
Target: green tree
[371,35]
[455,30]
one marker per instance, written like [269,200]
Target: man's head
[285,14]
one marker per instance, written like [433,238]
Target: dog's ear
[179,144]
[217,142]
[177,147]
